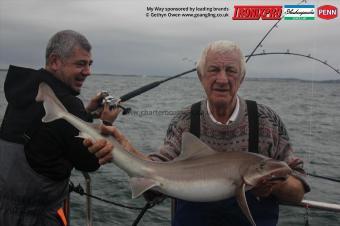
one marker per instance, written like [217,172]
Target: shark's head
[268,169]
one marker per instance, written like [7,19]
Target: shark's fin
[95,126]
[193,148]
[84,135]
[53,107]
[140,185]
[242,202]
[249,182]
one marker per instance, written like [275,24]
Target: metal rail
[89,219]
[310,204]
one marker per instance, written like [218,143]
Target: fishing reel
[113,103]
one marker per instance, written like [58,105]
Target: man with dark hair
[36,159]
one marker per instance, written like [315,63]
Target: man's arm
[295,186]
[168,151]
[102,149]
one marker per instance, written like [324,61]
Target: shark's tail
[54,109]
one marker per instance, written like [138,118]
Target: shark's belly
[199,190]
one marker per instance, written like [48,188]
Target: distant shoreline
[189,77]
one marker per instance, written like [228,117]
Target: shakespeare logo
[327,12]
[254,12]
[299,12]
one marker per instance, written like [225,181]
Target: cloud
[125,41]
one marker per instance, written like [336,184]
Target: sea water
[309,109]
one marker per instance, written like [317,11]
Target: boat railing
[307,204]
[88,189]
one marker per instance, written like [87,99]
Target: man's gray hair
[63,43]
[223,47]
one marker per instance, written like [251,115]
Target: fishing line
[323,177]
[148,205]
[80,190]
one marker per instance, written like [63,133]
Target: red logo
[327,12]
[252,12]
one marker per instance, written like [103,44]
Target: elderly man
[36,159]
[226,122]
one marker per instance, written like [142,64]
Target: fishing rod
[145,88]
[309,56]
[113,102]
[152,85]
[269,31]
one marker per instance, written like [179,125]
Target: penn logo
[256,12]
[327,12]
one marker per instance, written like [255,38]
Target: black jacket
[51,148]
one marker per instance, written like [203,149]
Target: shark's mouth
[278,175]
[277,178]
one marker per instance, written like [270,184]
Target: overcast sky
[125,41]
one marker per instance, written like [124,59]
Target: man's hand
[109,115]
[102,149]
[266,187]
[105,113]
[113,131]
[288,191]
[95,102]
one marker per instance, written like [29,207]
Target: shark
[198,174]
